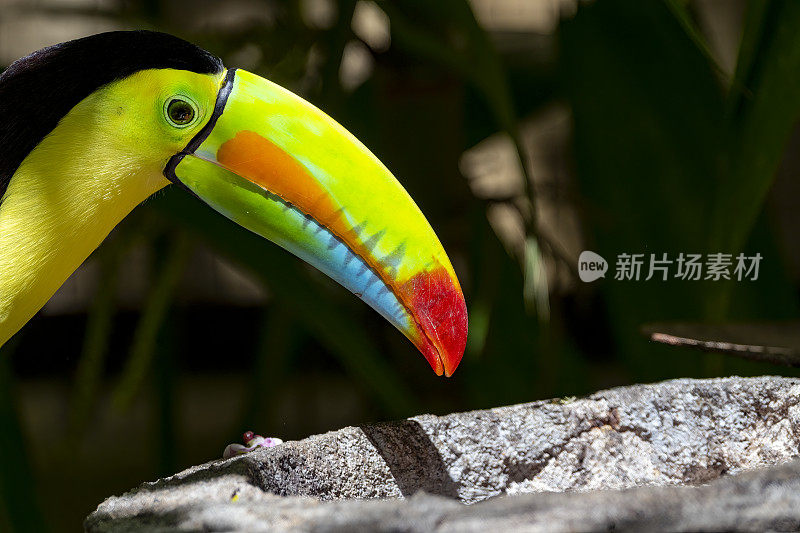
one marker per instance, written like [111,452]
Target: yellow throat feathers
[100,162]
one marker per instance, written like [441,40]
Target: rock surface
[762,500]
[673,433]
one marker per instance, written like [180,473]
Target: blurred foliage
[669,154]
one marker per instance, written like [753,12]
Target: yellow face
[152,114]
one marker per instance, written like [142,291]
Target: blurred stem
[714,365]
[272,356]
[19,503]
[165,405]
[158,303]
[756,23]
[336,41]
[484,283]
[535,279]
[717,304]
[536,290]
[95,345]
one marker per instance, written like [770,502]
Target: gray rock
[672,433]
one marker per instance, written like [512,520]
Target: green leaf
[648,134]
[680,11]
[765,106]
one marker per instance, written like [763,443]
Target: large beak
[280,167]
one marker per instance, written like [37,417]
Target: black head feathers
[38,90]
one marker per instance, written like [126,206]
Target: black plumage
[37,91]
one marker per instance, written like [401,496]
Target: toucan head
[279,167]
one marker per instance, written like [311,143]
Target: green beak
[278,166]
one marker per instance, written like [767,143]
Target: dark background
[642,127]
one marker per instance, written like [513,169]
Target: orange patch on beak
[264,163]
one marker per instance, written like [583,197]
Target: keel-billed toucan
[90,128]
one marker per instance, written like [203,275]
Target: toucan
[90,128]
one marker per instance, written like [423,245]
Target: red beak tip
[441,314]
[445,354]
[451,361]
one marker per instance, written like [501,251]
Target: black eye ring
[180,112]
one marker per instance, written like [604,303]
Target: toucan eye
[180,112]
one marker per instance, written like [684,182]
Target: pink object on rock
[251,442]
